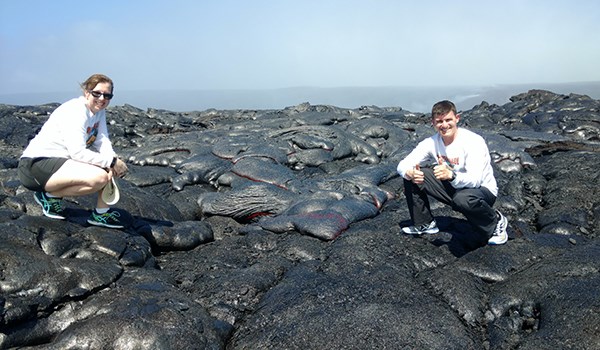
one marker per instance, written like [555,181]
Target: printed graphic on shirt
[91,132]
[450,162]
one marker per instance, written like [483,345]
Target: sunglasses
[97,94]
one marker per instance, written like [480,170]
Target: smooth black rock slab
[281,229]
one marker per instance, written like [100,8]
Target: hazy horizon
[414,99]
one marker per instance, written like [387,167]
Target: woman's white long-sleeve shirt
[468,155]
[70,131]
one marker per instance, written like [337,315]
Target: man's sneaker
[421,229]
[500,236]
[52,207]
[109,219]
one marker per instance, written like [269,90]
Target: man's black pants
[474,203]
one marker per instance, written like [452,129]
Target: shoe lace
[499,228]
[54,204]
[109,215]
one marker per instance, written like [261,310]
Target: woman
[73,156]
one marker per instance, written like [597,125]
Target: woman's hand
[120,168]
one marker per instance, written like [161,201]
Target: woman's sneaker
[421,229]
[500,235]
[52,207]
[109,219]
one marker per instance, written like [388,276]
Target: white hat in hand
[110,193]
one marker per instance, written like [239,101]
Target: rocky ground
[278,229]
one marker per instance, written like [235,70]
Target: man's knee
[465,200]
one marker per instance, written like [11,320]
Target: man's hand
[416,175]
[442,171]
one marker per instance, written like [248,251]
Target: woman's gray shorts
[35,172]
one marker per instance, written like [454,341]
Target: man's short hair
[442,108]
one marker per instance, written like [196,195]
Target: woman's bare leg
[77,179]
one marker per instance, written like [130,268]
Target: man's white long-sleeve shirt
[70,131]
[468,155]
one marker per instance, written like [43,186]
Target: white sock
[101,210]
[50,196]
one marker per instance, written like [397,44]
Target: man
[454,167]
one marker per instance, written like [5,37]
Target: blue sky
[50,46]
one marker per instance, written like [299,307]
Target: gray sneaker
[421,229]
[500,235]
[52,207]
